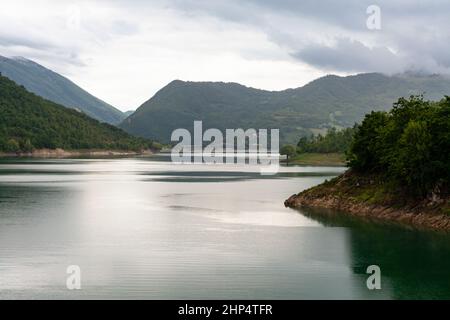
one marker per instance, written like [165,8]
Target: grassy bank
[319,159]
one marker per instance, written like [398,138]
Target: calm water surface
[147,229]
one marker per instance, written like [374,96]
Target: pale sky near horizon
[125,51]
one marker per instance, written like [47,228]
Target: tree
[364,153]
[413,161]
[27,146]
[289,151]
[408,146]
[335,141]
[12,146]
[303,144]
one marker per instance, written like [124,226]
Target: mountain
[54,87]
[29,122]
[330,101]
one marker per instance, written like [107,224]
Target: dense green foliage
[325,103]
[54,87]
[410,145]
[335,141]
[30,122]
[288,150]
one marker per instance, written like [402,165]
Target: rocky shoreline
[426,214]
[61,153]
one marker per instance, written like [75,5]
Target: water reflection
[415,263]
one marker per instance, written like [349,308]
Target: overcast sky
[123,51]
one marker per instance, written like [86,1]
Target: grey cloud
[124,28]
[351,56]
[418,31]
[350,14]
[39,49]
[9,41]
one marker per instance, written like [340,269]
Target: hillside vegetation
[29,122]
[328,102]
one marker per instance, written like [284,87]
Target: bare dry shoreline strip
[61,153]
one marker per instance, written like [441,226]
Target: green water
[145,228]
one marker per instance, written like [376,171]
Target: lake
[144,228]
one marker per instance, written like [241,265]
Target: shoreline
[317,159]
[61,153]
[426,214]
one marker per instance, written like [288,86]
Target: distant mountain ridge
[54,87]
[330,101]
